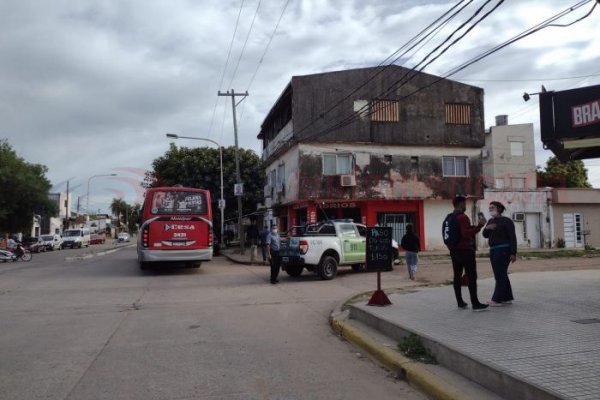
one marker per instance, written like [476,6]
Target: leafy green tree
[199,167]
[118,207]
[572,174]
[23,191]
[127,214]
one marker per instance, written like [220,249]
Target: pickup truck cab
[322,248]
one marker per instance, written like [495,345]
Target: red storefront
[393,213]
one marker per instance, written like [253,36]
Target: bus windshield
[178,202]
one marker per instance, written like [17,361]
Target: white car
[123,237]
[51,242]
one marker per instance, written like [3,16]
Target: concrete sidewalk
[544,346]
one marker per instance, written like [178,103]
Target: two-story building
[382,145]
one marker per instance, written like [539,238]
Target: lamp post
[87,197]
[222,201]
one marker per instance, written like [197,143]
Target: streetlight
[222,202]
[87,204]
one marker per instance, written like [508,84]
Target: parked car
[51,241]
[322,248]
[123,237]
[76,238]
[33,244]
[98,238]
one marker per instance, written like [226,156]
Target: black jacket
[410,242]
[504,233]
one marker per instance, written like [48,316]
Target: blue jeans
[412,259]
[500,259]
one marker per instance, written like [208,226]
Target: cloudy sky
[91,87]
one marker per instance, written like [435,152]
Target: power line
[245,43]
[394,57]
[226,64]
[358,114]
[364,111]
[527,79]
[268,44]
[264,53]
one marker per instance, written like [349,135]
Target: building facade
[510,177]
[378,145]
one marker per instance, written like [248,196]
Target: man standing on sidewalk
[463,254]
[273,245]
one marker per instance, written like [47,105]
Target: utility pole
[67,208]
[238,178]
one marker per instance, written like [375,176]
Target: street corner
[433,380]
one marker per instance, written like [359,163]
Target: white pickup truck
[322,248]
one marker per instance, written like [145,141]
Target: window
[337,164]
[347,230]
[281,174]
[458,114]
[454,166]
[385,111]
[516,149]
[414,163]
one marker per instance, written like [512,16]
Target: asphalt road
[98,328]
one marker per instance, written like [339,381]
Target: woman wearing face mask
[500,232]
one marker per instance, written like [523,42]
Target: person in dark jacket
[410,243]
[463,255]
[500,232]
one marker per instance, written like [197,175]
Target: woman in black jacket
[500,232]
[411,244]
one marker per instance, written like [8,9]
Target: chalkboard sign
[379,248]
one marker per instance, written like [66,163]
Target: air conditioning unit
[348,180]
[485,153]
[518,216]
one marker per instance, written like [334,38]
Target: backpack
[450,230]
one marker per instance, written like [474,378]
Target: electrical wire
[237,22]
[407,47]
[268,44]
[244,46]
[355,116]
[364,111]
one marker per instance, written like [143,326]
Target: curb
[413,372]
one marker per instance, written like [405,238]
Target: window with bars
[385,111]
[458,114]
[455,166]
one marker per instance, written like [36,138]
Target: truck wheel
[294,270]
[328,268]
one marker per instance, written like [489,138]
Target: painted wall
[532,202]
[501,164]
[388,172]
[590,217]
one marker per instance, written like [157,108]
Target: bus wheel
[294,270]
[327,268]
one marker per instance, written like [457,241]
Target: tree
[199,167]
[572,174]
[129,214]
[24,191]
